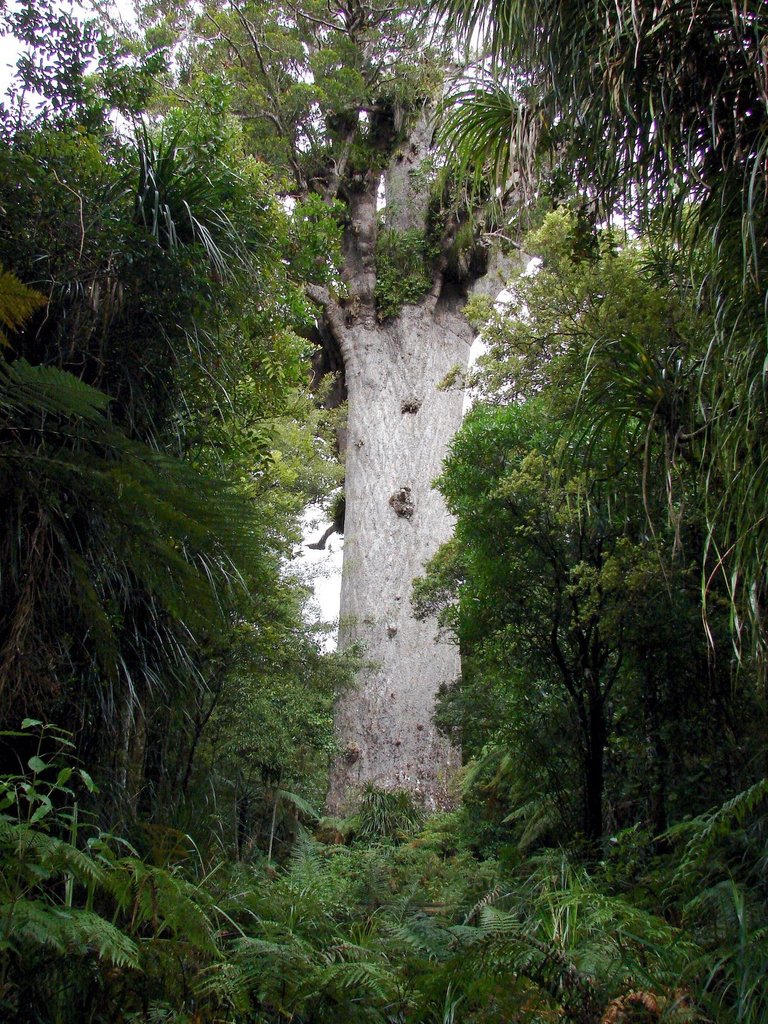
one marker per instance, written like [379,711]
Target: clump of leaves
[17,303]
[384,814]
[48,881]
[403,270]
[719,879]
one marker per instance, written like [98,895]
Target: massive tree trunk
[399,426]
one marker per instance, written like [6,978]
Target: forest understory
[244,249]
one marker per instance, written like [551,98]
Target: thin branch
[82,219]
[227,39]
[333,27]
[273,98]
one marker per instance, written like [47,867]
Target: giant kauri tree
[341,99]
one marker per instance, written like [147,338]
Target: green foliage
[158,449]
[316,240]
[42,868]
[17,304]
[303,75]
[347,933]
[68,68]
[499,133]
[178,205]
[403,270]
[577,948]
[639,111]
[384,815]
[164,529]
[158,446]
[572,583]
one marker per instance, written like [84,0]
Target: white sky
[8,53]
[323,570]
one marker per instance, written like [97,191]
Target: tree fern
[740,821]
[157,526]
[17,303]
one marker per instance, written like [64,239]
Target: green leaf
[88,782]
[43,810]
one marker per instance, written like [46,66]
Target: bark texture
[399,427]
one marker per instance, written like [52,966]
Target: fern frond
[38,851]
[17,304]
[703,833]
[421,934]
[65,930]
[485,901]
[167,902]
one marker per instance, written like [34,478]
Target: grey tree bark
[400,424]
[399,428]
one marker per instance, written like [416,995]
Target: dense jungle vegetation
[166,705]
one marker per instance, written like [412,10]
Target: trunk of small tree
[594,771]
[400,424]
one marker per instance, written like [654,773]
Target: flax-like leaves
[492,134]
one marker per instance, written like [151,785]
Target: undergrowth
[395,920]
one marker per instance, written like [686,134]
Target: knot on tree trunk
[402,503]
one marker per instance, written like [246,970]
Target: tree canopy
[657,112]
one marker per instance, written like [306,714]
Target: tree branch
[273,99]
[332,26]
[226,38]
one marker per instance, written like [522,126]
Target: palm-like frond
[38,867]
[740,821]
[37,855]
[179,204]
[287,973]
[489,131]
[648,93]
[167,902]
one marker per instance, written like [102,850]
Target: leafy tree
[544,585]
[578,600]
[154,468]
[660,112]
